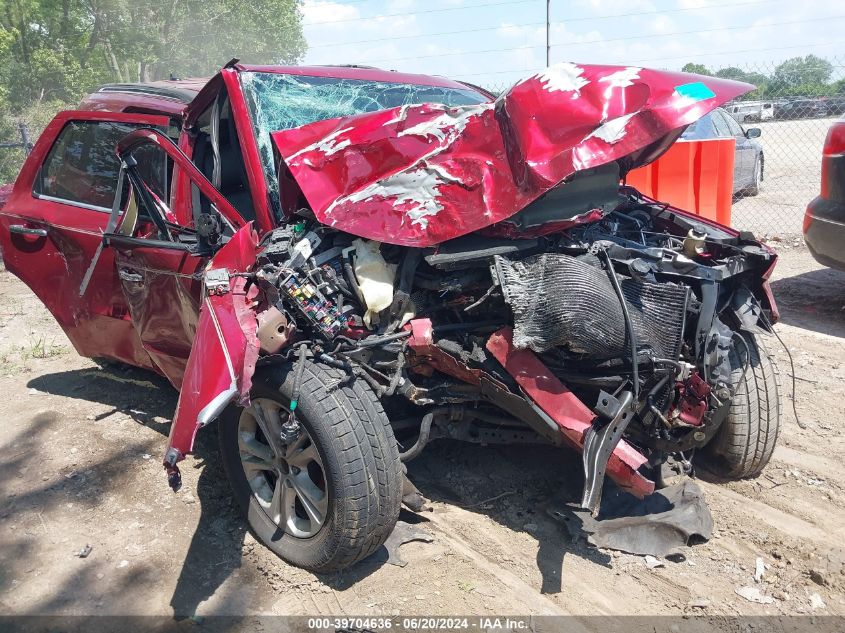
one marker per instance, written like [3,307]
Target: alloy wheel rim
[287,480]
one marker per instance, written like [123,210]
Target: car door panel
[224,351]
[49,242]
[162,288]
[161,279]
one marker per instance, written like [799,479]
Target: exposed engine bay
[632,310]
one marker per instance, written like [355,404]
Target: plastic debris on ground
[663,524]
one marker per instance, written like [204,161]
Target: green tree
[61,48]
[807,75]
[759,80]
[52,52]
[196,37]
[698,69]
[731,72]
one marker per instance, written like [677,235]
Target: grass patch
[40,347]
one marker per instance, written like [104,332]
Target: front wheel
[744,443]
[330,495]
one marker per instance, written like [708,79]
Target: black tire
[757,177]
[360,457]
[744,443]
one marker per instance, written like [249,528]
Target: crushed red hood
[418,175]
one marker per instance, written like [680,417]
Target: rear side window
[734,127]
[721,123]
[82,166]
[701,129]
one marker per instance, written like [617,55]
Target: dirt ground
[80,452]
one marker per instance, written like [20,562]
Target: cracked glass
[280,102]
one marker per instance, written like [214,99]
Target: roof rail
[166,92]
[348,66]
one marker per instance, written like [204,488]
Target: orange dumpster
[693,175]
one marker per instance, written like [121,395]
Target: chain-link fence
[793,106]
[803,96]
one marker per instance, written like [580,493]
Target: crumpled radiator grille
[563,301]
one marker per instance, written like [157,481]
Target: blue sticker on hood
[696,91]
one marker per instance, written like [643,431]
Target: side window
[735,129]
[156,169]
[82,167]
[721,123]
[701,129]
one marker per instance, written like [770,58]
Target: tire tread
[365,456]
[744,444]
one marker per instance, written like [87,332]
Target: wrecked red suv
[344,264]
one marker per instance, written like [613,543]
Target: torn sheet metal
[662,524]
[572,416]
[421,174]
[225,348]
[421,343]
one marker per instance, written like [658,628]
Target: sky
[494,43]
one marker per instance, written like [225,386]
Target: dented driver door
[188,290]
[160,263]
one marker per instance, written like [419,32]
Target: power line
[503,72]
[690,56]
[414,37]
[617,39]
[452,54]
[721,28]
[747,50]
[407,13]
[509,2]
[729,5]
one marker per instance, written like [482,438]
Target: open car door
[188,296]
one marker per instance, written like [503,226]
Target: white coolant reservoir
[694,243]
[375,278]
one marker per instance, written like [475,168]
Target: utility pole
[548,47]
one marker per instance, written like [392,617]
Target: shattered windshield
[280,102]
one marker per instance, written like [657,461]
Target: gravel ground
[793,153]
[80,451]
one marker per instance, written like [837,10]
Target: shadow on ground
[814,300]
[216,546]
[512,485]
[47,491]
[516,486]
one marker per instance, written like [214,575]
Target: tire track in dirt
[816,464]
[580,592]
[787,523]
[539,604]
